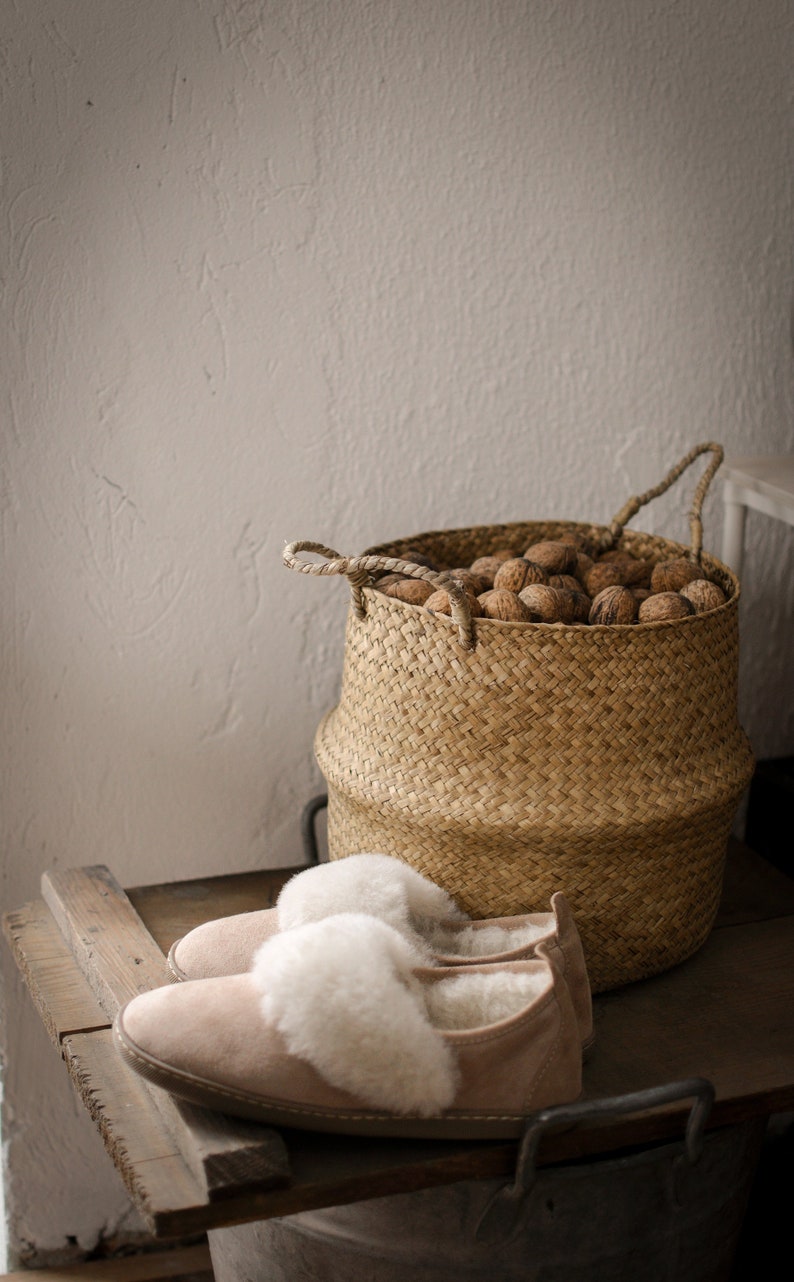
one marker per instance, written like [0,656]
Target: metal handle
[311,852]
[501,1217]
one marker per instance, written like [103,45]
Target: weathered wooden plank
[112,947]
[59,991]
[172,909]
[180,1264]
[142,1149]
[119,959]
[171,1197]
[234,1155]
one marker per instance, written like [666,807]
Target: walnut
[498,603]
[604,574]
[386,580]
[615,604]
[516,573]
[638,571]
[585,541]
[576,537]
[704,595]
[440,603]
[664,605]
[414,591]
[485,568]
[584,564]
[574,606]
[670,576]
[415,557]
[554,556]
[549,604]
[634,571]
[568,581]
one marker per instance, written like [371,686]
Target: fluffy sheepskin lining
[475,999]
[483,941]
[343,994]
[375,884]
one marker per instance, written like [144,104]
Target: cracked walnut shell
[615,604]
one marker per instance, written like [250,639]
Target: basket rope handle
[610,537]
[359,569]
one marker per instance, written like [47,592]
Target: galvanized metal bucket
[671,1212]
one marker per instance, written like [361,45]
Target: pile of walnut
[558,581]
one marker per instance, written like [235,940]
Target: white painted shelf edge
[764,483]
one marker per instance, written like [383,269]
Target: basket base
[638,914]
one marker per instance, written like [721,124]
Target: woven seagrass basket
[506,761]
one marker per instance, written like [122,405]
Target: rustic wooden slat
[119,959]
[59,991]
[172,1198]
[142,1149]
[233,1155]
[226,1154]
[110,943]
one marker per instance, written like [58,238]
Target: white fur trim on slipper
[343,995]
[378,885]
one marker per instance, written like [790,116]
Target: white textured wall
[346,271]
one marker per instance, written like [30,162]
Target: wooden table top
[87,945]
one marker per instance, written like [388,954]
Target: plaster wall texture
[343,271]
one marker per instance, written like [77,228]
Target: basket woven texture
[506,761]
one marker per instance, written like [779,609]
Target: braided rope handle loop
[360,569]
[610,536]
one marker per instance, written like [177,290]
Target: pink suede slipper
[339,1027]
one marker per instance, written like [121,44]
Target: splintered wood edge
[59,992]
[143,1152]
[171,1196]
[105,935]
[234,1154]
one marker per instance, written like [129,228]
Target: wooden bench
[87,945]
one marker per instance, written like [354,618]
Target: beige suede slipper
[337,1028]
[392,891]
